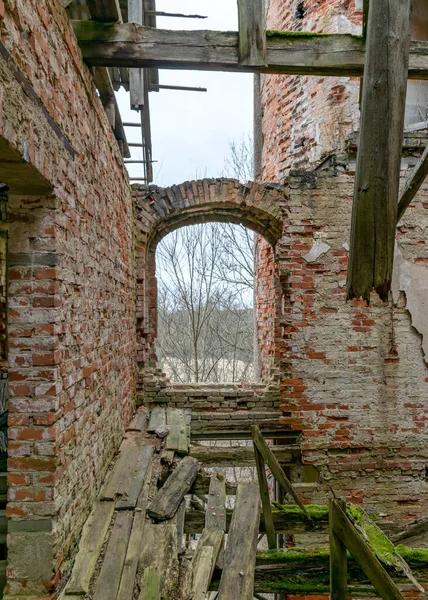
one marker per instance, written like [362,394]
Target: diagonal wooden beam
[105,10]
[374,214]
[298,53]
[414,183]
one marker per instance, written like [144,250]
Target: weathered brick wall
[71,292]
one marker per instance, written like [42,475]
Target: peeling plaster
[316,251]
[412,279]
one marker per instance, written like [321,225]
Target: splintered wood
[158,561]
[169,497]
[237,580]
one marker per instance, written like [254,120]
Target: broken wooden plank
[252,32]
[158,561]
[240,456]
[338,563]
[127,582]
[129,501]
[415,533]
[363,554]
[130,45]
[138,422]
[269,455]
[374,213]
[202,485]
[215,517]
[91,543]
[237,580]
[202,572]
[157,418]
[169,497]
[111,571]
[413,185]
[265,498]
[177,436]
[120,479]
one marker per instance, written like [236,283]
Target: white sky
[191,131]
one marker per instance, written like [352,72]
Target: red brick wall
[71,293]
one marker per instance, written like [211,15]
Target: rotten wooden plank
[202,485]
[363,554]
[215,517]
[120,479]
[177,436]
[265,498]
[237,580]
[138,422]
[111,571]
[158,561]
[413,185]
[338,563]
[252,32]
[130,45]
[91,543]
[269,455]
[374,213]
[169,497]
[142,467]
[157,418]
[240,456]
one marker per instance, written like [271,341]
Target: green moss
[413,555]
[290,556]
[317,512]
[303,35]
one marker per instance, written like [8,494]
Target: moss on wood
[317,512]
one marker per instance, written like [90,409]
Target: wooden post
[252,32]
[338,562]
[374,215]
[264,495]
[362,553]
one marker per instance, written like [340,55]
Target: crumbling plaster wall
[71,293]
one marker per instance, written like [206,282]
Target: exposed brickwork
[71,290]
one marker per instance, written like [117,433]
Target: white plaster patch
[316,251]
[346,246]
[412,279]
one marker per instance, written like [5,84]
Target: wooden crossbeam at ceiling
[294,53]
[374,214]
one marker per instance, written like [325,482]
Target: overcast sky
[191,131]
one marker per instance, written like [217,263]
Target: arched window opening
[205,310]
[417,91]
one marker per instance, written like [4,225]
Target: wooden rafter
[125,45]
[374,214]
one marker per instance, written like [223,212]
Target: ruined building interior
[109,487]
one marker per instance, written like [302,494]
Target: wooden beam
[374,215]
[338,563]
[105,10]
[129,45]
[239,456]
[265,498]
[275,467]
[252,32]
[362,553]
[413,185]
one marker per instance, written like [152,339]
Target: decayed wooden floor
[133,545]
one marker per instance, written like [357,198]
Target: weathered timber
[265,498]
[414,183]
[202,485]
[374,214]
[105,10]
[120,479]
[158,561]
[169,497]
[237,580]
[111,571]
[285,521]
[215,517]
[240,456]
[157,418]
[179,517]
[127,582]
[139,421]
[203,564]
[338,563]
[269,455]
[416,533]
[91,543]
[363,554]
[177,436]
[130,45]
[252,32]
[142,466]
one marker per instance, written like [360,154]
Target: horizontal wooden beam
[298,53]
[240,456]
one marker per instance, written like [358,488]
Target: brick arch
[160,211]
[255,205]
